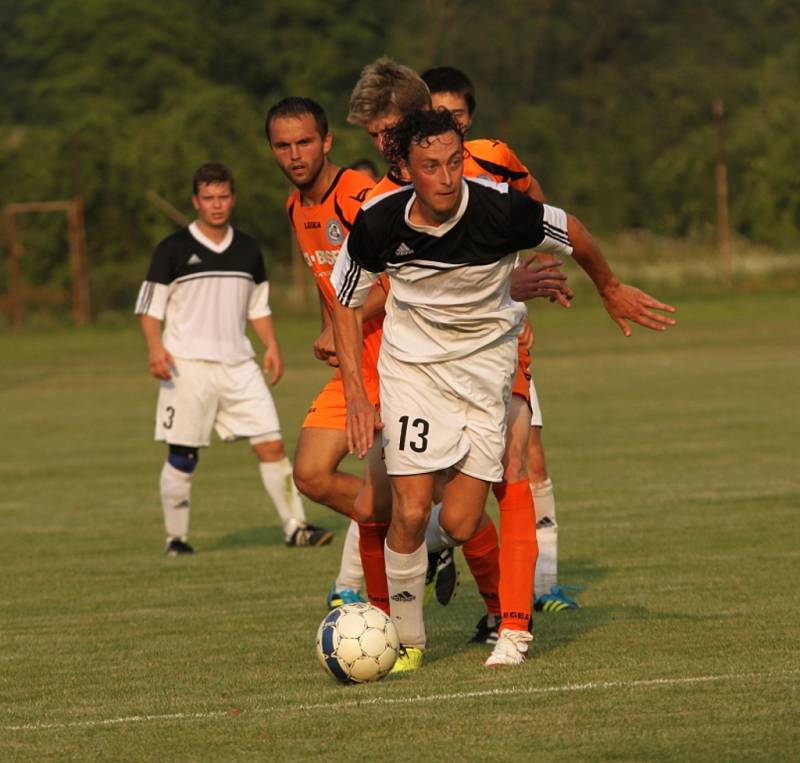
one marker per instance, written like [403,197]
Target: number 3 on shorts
[420,444]
[170,417]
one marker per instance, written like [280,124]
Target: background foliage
[609,104]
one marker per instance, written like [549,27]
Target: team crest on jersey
[334,231]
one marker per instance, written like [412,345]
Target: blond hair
[385,87]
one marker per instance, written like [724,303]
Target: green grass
[675,463]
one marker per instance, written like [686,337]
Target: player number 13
[420,444]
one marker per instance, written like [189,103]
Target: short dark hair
[448,79]
[417,127]
[296,107]
[367,167]
[212,172]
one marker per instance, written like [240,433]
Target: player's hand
[160,362]
[362,423]
[325,347]
[272,365]
[627,303]
[534,279]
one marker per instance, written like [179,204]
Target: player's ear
[195,202]
[327,143]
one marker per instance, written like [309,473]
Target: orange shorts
[329,409]
[522,381]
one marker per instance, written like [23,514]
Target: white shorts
[536,409]
[452,413]
[203,395]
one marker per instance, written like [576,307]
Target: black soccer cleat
[309,535]
[441,578]
[178,547]
[486,630]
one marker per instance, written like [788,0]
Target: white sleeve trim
[258,306]
[556,238]
[152,300]
[351,282]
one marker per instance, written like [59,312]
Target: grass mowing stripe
[645,683]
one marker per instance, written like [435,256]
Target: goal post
[19,291]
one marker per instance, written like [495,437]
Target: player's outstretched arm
[362,418]
[272,365]
[159,360]
[623,302]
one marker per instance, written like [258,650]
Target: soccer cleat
[486,630]
[408,658]
[345,596]
[511,648]
[178,547]
[441,579]
[309,535]
[555,601]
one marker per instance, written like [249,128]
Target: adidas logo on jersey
[403,250]
[195,260]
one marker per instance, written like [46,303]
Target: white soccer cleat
[511,648]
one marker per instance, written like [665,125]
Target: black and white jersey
[206,292]
[450,284]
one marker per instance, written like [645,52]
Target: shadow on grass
[248,537]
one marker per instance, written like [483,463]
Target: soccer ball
[357,643]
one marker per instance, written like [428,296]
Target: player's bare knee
[462,529]
[312,482]
[268,448]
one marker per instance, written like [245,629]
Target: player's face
[377,128]
[299,149]
[436,167]
[456,104]
[214,204]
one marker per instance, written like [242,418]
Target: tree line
[608,103]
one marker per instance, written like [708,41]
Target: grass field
[675,460]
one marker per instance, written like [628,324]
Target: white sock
[350,570]
[405,574]
[546,536]
[176,490]
[279,483]
[436,538]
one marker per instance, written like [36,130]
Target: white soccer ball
[357,643]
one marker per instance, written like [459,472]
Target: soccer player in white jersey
[205,281]
[453,90]
[449,348]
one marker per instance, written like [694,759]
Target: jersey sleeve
[154,292]
[537,225]
[258,306]
[357,266]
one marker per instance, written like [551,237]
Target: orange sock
[483,557]
[371,537]
[518,552]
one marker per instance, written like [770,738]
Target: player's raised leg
[319,453]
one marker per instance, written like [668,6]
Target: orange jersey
[484,158]
[388,182]
[321,230]
[495,160]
